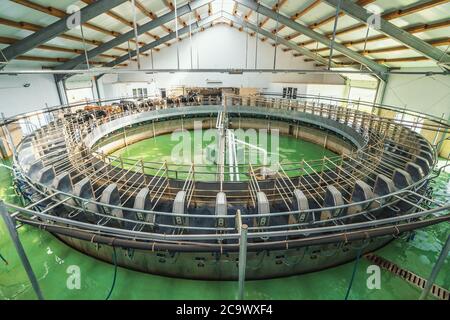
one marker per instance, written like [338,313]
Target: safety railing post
[437,267]
[11,226]
[243,228]
[121,162]
[9,136]
[438,131]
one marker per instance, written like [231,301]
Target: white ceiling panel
[19,13]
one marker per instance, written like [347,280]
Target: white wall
[335,91]
[80,95]
[15,98]
[363,94]
[428,94]
[125,89]
[80,88]
[214,48]
[223,47]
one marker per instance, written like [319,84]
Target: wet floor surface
[51,260]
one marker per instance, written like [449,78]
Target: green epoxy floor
[51,258]
[159,149]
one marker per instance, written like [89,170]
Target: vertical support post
[365,44]
[121,162]
[129,50]
[9,137]
[136,35]
[403,113]
[338,9]
[256,40]
[143,169]
[437,267]
[84,47]
[276,40]
[416,121]
[176,34]
[10,224]
[97,90]
[190,38]
[439,131]
[58,90]
[151,58]
[167,171]
[243,229]
[125,136]
[246,47]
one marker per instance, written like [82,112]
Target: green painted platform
[50,259]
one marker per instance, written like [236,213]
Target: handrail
[356,119]
[364,103]
[176,237]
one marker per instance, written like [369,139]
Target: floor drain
[410,277]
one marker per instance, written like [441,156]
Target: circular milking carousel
[191,220]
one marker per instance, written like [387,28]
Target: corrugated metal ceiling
[18,16]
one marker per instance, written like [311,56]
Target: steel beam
[378,69]
[280,40]
[242,260]
[71,64]
[392,31]
[96,71]
[437,267]
[11,227]
[57,28]
[195,25]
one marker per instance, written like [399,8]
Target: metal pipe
[438,131]
[9,136]
[151,57]
[176,34]
[246,48]
[253,247]
[250,228]
[11,226]
[205,236]
[364,50]
[242,255]
[276,40]
[218,70]
[129,50]
[437,267]
[84,47]
[136,34]
[333,40]
[190,38]
[256,40]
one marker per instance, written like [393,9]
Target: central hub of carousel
[187,220]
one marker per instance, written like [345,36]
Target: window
[140,93]
[290,93]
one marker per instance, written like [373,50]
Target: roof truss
[428,49]
[192,27]
[187,8]
[378,69]
[274,37]
[391,30]
[56,28]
